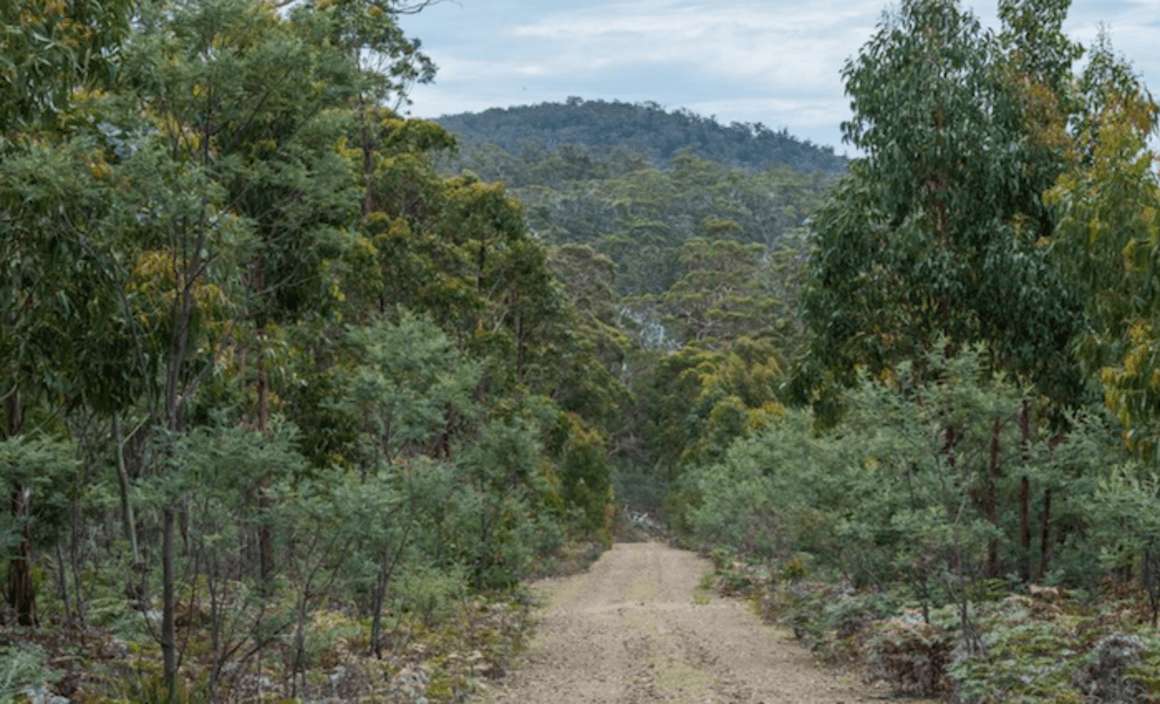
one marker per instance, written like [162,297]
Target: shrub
[912,655]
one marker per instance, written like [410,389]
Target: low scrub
[1038,645]
[444,659]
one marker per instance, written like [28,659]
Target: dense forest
[282,406]
[296,391]
[647,128]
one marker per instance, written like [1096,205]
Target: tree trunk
[265,538]
[21,589]
[62,586]
[177,392]
[75,566]
[168,610]
[386,569]
[1045,536]
[378,601]
[1025,493]
[990,500]
[128,521]
[1025,527]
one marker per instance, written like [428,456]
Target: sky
[774,62]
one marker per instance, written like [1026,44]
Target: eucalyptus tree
[1108,241]
[50,49]
[276,153]
[639,215]
[410,388]
[596,383]
[937,230]
[67,346]
[57,270]
[458,250]
[242,199]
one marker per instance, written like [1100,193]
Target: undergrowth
[1045,645]
[444,660]
[443,647]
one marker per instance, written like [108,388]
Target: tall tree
[234,170]
[1108,241]
[65,341]
[277,138]
[936,229]
[55,265]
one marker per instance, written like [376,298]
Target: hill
[645,127]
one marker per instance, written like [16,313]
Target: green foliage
[765,497]
[913,487]
[24,667]
[511,491]
[593,387]
[899,495]
[1039,651]
[698,401]
[268,372]
[149,687]
[576,133]
[1122,512]
[698,255]
[368,31]
[220,464]
[1017,645]
[1002,198]
[726,292]
[1107,240]
[51,49]
[42,468]
[222,246]
[584,475]
[640,216]
[457,250]
[409,388]
[937,231]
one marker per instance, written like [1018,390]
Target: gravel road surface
[637,629]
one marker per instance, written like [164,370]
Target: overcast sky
[773,62]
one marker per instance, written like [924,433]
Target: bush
[912,654]
[24,667]
[1029,655]
[1121,668]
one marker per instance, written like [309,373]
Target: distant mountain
[644,127]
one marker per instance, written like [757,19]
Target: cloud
[734,42]
[778,63]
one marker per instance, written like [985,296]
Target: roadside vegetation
[286,414]
[296,391]
[959,494]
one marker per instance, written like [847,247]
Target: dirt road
[635,629]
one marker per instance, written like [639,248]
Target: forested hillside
[644,127]
[296,390]
[686,278]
